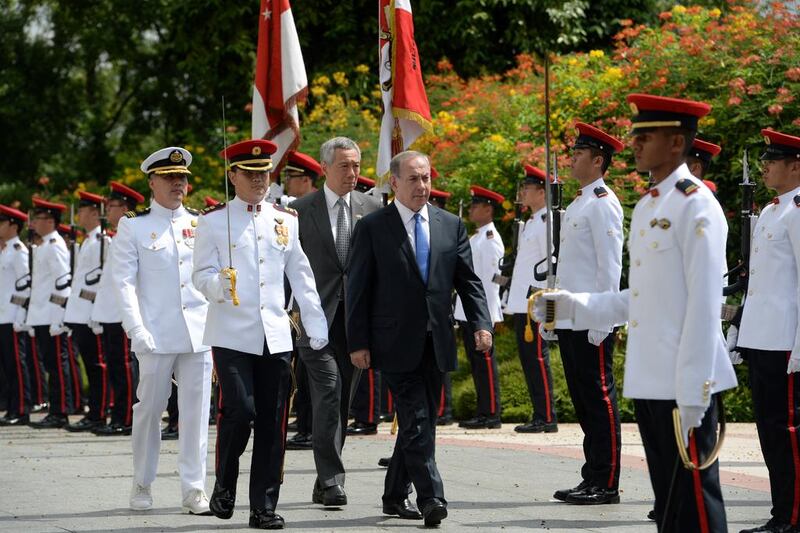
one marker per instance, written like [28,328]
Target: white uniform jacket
[676,350]
[79,305]
[50,266]
[106,305]
[487,250]
[590,258]
[265,246]
[13,268]
[151,271]
[532,249]
[769,319]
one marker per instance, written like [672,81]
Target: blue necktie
[422,247]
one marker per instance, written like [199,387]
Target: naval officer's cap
[171,160]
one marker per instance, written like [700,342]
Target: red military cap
[436,193]
[7,213]
[652,111]
[591,137]
[482,195]
[704,151]
[49,207]
[780,145]
[434,173]
[66,231]
[711,185]
[363,184]
[255,154]
[123,192]
[211,202]
[87,198]
[534,175]
[300,162]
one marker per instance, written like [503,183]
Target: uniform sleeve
[206,263]
[607,240]
[600,311]
[793,231]
[702,239]
[469,286]
[58,259]
[493,257]
[20,266]
[304,289]
[124,269]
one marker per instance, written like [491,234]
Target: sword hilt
[230,275]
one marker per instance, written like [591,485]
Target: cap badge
[176,156]
[256,150]
[634,109]
[767,140]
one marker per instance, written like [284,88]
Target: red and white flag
[406,112]
[280,80]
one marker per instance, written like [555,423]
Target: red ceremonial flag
[406,112]
[280,80]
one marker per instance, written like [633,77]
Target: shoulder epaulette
[797,200]
[134,214]
[192,210]
[212,208]
[53,240]
[600,192]
[285,209]
[490,234]
[686,186]
[544,216]
[17,246]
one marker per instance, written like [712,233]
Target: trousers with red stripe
[366,406]
[252,388]
[485,376]
[590,380]
[696,504]
[60,365]
[776,402]
[91,352]
[13,347]
[535,359]
[123,372]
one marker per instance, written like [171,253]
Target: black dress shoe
[300,441]
[652,515]
[384,461]
[537,426]
[84,424]
[169,433]
[772,526]
[265,519]
[333,496]
[562,494]
[222,502]
[593,496]
[481,422]
[50,422]
[444,420]
[112,430]
[387,417]
[403,509]
[434,511]
[362,428]
[15,420]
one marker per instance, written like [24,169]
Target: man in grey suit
[327,218]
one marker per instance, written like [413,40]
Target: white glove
[731,339]
[96,328]
[548,335]
[794,362]
[565,305]
[141,340]
[691,417]
[31,331]
[19,327]
[597,337]
[317,344]
[59,328]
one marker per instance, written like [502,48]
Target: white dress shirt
[410,224]
[487,250]
[50,265]
[13,267]
[331,200]
[532,249]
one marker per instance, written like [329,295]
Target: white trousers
[193,374]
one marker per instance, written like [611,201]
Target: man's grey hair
[397,161]
[327,151]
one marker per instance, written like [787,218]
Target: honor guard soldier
[79,310]
[106,321]
[590,260]
[14,295]
[534,355]
[700,157]
[439,198]
[676,356]
[163,315]
[244,248]
[487,250]
[769,336]
[300,174]
[49,293]
[365,185]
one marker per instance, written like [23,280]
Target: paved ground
[51,480]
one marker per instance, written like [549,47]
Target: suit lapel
[435,228]
[320,216]
[356,208]
[398,231]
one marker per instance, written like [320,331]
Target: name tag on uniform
[88,295]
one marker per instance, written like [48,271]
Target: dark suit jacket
[389,306]
[316,238]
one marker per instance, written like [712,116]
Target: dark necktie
[342,233]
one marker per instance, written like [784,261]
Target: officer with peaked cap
[49,292]
[300,174]
[534,354]
[163,315]
[15,294]
[487,250]
[676,356]
[243,250]
[79,310]
[699,159]
[106,320]
[590,259]
[769,333]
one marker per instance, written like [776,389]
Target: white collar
[407,214]
[331,197]
[592,186]
[157,208]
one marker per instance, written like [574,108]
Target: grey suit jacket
[317,241]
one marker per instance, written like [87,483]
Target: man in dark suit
[406,260]
[327,218]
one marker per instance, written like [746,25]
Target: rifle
[73,237]
[506,264]
[93,276]
[25,281]
[557,209]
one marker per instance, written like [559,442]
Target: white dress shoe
[196,502]
[141,498]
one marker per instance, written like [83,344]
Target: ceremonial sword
[229,272]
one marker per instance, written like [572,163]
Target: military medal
[282,232]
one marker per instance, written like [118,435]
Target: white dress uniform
[151,269]
[13,340]
[532,249]
[487,250]
[676,350]
[13,268]
[590,257]
[106,308]
[50,265]
[257,246]
[79,305]
[770,315]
